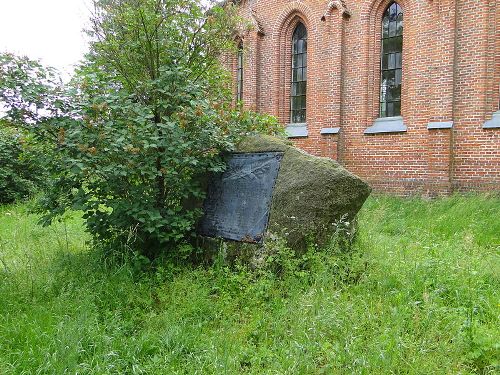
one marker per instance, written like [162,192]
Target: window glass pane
[398,44]
[302,86]
[299,75]
[383,90]
[301,46]
[393,11]
[400,16]
[383,109]
[399,29]
[301,31]
[398,77]
[302,102]
[239,74]
[385,61]
[302,116]
[392,28]
[296,89]
[391,61]
[392,45]
[300,60]
[385,27]
[390,109]
[397,108]
[386,45]
[395,92]
[399,60]
[388,78]
[296,116]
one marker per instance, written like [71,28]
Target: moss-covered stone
[311,193]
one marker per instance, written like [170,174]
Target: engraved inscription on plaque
[238,201]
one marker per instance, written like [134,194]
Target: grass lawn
[419,294]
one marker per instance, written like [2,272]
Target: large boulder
[311,194]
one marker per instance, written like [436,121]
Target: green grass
[419,294]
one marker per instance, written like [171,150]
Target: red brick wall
[451,72]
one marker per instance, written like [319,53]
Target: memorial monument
[272,187]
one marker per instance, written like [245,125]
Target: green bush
[145,119]
[21,172]
[150,117]
[32,101]
[132,175]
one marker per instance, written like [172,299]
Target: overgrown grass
[419,294]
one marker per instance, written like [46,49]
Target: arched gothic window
[299,75]
[391,61]
[239,74]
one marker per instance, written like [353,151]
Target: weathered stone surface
[311,193]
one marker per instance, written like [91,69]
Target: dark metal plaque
[238,201]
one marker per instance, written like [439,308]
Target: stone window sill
[494,123]
[296,130]
[326,131]
[440,125]
[387,125]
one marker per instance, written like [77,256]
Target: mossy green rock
[311,193]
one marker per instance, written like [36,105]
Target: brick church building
[404,94]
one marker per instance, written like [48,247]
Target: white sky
[50,30]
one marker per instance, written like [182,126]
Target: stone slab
[440,125]
[238,201]
[387,125]
[326,131]
[296,131]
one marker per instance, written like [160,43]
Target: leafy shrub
[32,95]
[252,122]
[32,102]
[144,120]
[131,174]
[21,173]
[150,116]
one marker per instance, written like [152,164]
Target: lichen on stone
[311,194]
